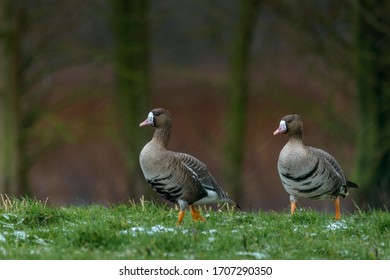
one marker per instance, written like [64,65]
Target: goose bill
[282,128]
[149,120]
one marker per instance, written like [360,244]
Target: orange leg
[196,216]
[293,206]
[337,208]
[180,217]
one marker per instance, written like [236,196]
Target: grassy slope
[30,230]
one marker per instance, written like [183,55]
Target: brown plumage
[306,171]
[177,177]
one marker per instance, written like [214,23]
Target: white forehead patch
[150,117]
[283,125]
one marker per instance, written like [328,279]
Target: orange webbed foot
[196,216]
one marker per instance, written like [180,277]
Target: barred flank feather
[177,177]
[306,171]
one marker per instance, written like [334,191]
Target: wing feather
[200,173]
[332,161]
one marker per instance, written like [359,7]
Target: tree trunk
[14,166]
[236,119]
[372,171]
[131,28]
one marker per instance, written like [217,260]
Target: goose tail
[232,202]
[352,185]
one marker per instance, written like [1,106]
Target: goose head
[158,118]
[291,125]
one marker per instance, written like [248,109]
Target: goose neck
[296,137]
[162,135]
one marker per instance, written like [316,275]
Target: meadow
[30,229]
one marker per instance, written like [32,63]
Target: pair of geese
[181,178]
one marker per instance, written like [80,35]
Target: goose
[309,172]
[177,177]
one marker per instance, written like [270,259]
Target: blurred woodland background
[77,78]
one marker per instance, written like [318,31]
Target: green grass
[31,230]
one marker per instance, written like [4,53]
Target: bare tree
[373,93]
[13,173]
[239,92]
[130,22]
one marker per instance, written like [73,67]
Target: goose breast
[305,172]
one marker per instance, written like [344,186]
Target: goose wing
[199,172]
[332,161]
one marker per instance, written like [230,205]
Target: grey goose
[309,172]
[177,177]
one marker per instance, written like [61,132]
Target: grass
[30,229]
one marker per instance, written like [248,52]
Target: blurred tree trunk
[131,29]
[13,162]
[239,92]
[372,171]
